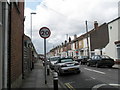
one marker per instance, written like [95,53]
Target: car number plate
[71,69]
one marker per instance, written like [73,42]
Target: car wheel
[110,66]
[97,65]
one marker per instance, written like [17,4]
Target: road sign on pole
[45,33]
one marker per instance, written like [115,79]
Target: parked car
[82,59]
[52,61]
[67,65]
[100,60]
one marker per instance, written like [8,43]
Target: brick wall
[17,25]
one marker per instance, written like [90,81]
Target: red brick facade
[17,32]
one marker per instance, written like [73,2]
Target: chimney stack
[69,39]
[65,42]
[95,25]
[75,36]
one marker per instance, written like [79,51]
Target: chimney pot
[75,36]
[95,25]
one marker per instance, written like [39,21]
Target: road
[92,78]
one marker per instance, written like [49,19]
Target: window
[98,57]
[17,1]
[95,57]
[118,51]
[110,27]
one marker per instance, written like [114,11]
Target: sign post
[45,33]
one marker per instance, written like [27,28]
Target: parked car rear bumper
[70,69]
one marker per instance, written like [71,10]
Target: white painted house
[113,49]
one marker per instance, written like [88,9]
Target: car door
[94,60]
[91,61]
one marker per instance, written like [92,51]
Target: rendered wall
[110,49]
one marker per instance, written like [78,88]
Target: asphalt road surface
[92,78]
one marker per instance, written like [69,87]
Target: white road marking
[98,86]
[92,77]
[94,70]
[118,85]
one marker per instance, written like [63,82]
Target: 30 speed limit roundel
[44,32]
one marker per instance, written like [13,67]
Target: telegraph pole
[87,39]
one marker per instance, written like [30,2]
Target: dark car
[82,59]
[100,60]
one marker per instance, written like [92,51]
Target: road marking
[69,86]
[118,85]
[94,70]
[98,86]
[92,77]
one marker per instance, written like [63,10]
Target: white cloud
[67,17]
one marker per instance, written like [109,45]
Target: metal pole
[87,39]
[45,59]
[31,28]
[67,44]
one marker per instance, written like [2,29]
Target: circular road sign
[44,32]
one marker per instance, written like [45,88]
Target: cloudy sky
[65,17]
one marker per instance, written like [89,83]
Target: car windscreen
[105,57]
[81,57]
[54,59]
[66,60]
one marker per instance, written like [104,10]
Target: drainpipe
[9,48]
[5,42]
[101,51]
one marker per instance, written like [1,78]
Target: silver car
[52,61]
[67,65]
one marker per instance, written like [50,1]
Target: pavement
[36,79]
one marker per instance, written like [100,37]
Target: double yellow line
[69,86]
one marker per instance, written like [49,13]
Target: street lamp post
[32,63]
[31,24]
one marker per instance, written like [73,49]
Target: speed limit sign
[44,32]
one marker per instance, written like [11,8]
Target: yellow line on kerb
[69,86]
